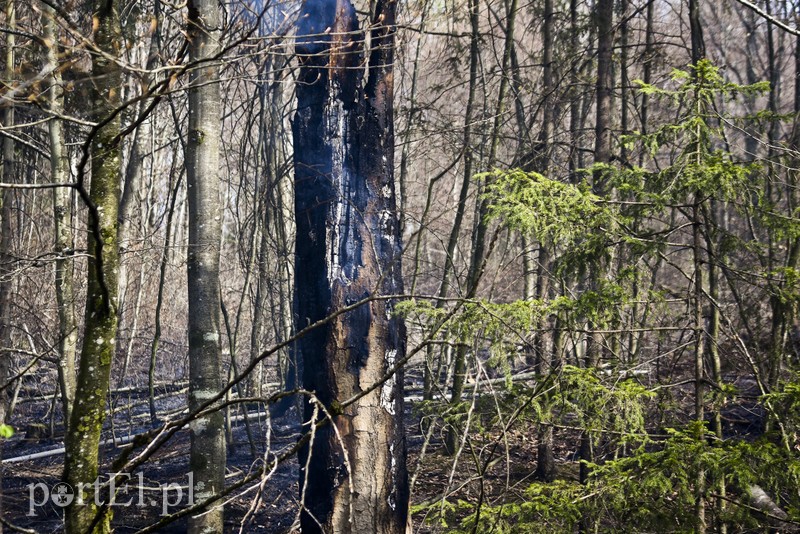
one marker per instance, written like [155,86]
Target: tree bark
[64,238]
[276,276]
[208,454]
[6,214]
[347,249]
[605,44]
[100,323]
[698,53]
[696,30]
[131,199]
[449,260]
[545,465]
[575,118]
[624,14]
[6,258]
[481,225]
[602,155]
[649,59]
[784,314]
[162,274]
[777,305]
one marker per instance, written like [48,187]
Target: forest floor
[27,483]
[25,504]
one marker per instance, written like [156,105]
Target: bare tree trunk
[410,120]
[649,58]
[602,155]
[100,323]
[543,268]
[449,260]
[751,141]
[575,119]
[279,221]
[698,53]
[347,249]
[712,336]
[624,14]
[256,378]
[778,326]
[699,346]
[65,240]
[131,199]
[784,313]
[162,274]
[477,263]
[6,214]
[605,43]
[207,456]
[131,194]
[696,29]
[6,258]
[545,466]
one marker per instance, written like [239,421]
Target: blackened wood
[348,249]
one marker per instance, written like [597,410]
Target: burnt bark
[348,249]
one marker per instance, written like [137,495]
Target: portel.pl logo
[118,489]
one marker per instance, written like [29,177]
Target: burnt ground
[170,465]
[276,513]
[278,507]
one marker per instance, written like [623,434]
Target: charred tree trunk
[348,249]
[100,327]
[207,455]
